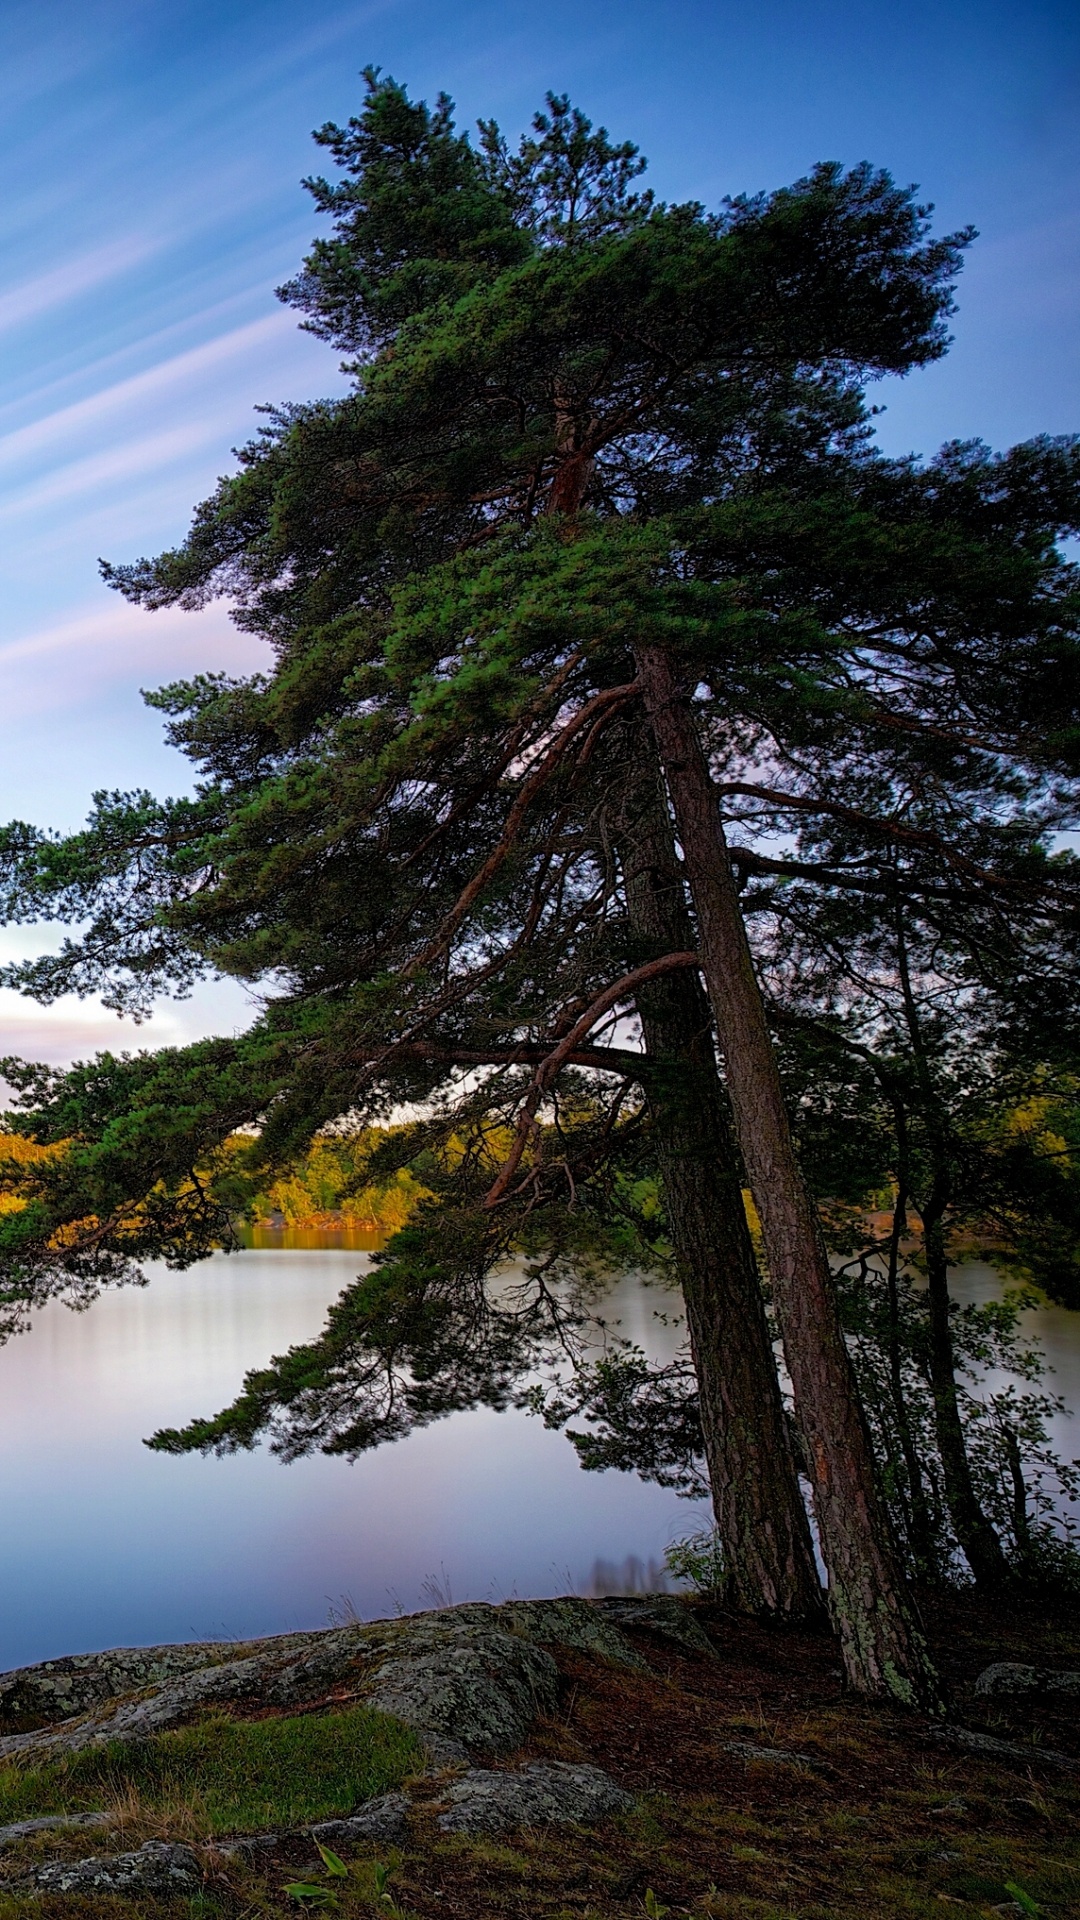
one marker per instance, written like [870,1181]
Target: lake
[107,1544]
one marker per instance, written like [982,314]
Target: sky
[151,154]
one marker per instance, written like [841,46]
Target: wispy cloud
[143,389]
[126,462]
[48,290]
[59,665]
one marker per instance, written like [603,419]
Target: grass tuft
[226,1776]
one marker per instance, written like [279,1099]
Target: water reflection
[1056,1330]
[107,1544]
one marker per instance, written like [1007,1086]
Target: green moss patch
[230,1776]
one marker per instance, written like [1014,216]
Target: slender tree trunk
[922,1533]
[1021,1516]
[760,1516]
[979,1542]
[882,1648]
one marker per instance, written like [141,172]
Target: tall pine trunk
[760,1517]
[883,1650]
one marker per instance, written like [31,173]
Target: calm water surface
[106,1544]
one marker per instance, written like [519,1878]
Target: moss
[229,1776]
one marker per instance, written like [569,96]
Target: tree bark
[921,1532]
[979,1542]
[883,1650]
[760,1516]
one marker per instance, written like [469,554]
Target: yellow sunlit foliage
[16,1154]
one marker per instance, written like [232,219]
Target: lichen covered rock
[1012,1679]
[551,1793]
[469,1679]
[463,1686]
[156,1868]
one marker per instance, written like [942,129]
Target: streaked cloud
[125,462]
[89,270]
[146,388]
[57,667]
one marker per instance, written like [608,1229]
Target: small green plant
[653,1907]
[309,1895]
[699,1561]
[332,1863]
[383,1895]
[1023,1900]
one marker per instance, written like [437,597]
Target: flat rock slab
[968,1741]
[1011,1679]
[384,1818]
[157,1868]
[772,1756]
[662,1614]
[468,1680]
[542,1795]
[52,1823]
[58,1689]
[273,1676]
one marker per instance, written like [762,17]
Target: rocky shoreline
[488,1694]
[468,1681]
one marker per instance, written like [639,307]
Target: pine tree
[603,460]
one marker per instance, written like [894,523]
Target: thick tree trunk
[882,1648]
[760,1517]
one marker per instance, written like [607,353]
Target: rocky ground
[571,1758]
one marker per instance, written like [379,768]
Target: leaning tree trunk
[760,1516]
[882,1648]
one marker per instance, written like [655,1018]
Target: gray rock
[584,1625]
[971,1742]
[381,1819]
[1012,1679]
[468,1679]
[463,1686]
[51,1822]
[269,1678]
[771,1756]
[157,1867]
[384,1818]
[59,1689]
[663,1614]
[542,1795]
[248,1846]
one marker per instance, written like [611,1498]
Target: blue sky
[151,153]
